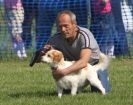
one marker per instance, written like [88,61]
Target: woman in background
[15,16]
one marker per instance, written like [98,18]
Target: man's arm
[106,1]
[78,65]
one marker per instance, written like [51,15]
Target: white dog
[77,80]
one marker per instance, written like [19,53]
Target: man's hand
[57,73]
[105,1]
[47,46]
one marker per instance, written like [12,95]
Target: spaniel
[75,81]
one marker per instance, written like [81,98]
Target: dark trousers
[30,15]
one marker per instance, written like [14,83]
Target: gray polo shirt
[71,51]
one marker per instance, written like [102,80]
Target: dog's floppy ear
[35,57]
[57,56]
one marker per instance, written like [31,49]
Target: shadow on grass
[33,94]
[42,93]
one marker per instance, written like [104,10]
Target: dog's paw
[103,92]
[59,95]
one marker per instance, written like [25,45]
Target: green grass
[24,85]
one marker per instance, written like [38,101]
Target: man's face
[66,26]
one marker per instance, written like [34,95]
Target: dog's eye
[49,55]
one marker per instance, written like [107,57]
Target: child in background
[15,16]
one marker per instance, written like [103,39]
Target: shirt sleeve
[87,40]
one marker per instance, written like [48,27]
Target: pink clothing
[102,8]
[13,4]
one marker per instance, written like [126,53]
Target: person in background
[14,16]
[121,43]
[48,10]
[77,44]
[30,20]
[102,25]
[130,5]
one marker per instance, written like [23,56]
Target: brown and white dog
[77,80]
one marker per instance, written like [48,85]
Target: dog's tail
[103,62]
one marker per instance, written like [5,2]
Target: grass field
[23,85]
